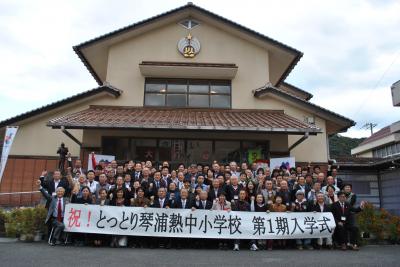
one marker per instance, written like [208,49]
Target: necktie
[158,185]
[342,208]
[183,203]
[204,205]
[162,203]
[59,211]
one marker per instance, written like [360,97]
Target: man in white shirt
[91,183]
[330,181]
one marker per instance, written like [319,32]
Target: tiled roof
[289,88]
[385,131]
[184,119]
[268,88]
[104,88]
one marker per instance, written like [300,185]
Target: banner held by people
[196,224]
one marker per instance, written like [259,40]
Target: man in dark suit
[137,174]
[203,203]
[321,206]
[233,189]
[334,173]
[285,193]
[215,190]
[161,202]
[78,168]
[156,184]
[56,211]
[52,184]
[183,202]
[300,185]
[341,211]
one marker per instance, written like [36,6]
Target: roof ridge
[298,89]
[55,104]
[269,86]
[374,136]
[179,119]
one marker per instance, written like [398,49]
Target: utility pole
[370,126]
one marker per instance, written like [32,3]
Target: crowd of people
[210,187]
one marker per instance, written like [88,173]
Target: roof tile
[183,118]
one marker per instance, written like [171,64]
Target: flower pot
[22,237]
[365,235]
[29,237]
[38,236]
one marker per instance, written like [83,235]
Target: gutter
[298,142]
[73,138]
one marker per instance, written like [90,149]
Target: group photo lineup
[173,133]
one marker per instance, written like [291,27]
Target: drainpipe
[378,174]
[73,138]
[298,142]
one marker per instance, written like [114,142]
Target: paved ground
[16,254]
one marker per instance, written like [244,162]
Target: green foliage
[340,146]
[379,223]
[25,221]
[3,215]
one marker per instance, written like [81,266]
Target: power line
[377,83]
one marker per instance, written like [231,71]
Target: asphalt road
[14,254]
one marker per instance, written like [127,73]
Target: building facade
[385,143]
[184,86]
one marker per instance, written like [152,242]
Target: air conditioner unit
[309,119]
[396,94]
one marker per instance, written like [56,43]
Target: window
[387,151]
[227,151]
[185,151]
[188,93]
[199,151]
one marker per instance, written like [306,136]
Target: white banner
[276,163]
[97,158]
[11,131]
[197,224]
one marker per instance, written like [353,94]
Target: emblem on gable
[189,46]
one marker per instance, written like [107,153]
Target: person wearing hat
[301,205]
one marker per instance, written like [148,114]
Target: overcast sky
[351,48]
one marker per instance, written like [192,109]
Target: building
[384,143]
[374,168]
[184,86]
[396,93]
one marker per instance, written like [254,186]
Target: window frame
[188,82]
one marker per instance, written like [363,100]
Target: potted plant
[3,215]
[27,225]
[13,223]
[40,213]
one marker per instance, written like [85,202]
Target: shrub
[25,221]
[379,223]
